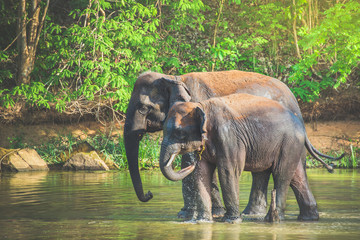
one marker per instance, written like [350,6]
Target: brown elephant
[235,133]
[155,93]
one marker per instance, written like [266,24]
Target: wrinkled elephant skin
[236,133]
[155,93]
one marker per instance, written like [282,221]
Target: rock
[85,161]
[110,163]
[77,148]
[86,148]
[15,160]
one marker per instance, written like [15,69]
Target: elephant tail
[324,155]
[311,148]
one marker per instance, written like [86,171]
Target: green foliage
[53,148]
[149,152]
[4,73]
[90,59]
[226,54]
[334,43]
[304,85]
[96,59]
[351,160]
[17,142]
[113,147]
[49,151]
[110,147]
[264,37]
[182,45]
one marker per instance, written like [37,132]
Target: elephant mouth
[152,126]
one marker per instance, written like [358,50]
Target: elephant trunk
[132,139]
[167,157]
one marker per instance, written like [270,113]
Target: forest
[82,57]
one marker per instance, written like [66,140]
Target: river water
[103,205]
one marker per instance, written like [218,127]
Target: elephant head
[184,132]
[152,96]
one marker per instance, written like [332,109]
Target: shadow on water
[103,205]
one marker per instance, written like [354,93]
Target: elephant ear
[177,90]
[202,121]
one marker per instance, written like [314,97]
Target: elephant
[154,94]
[235,133]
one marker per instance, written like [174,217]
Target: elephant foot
[200,217]
[202,220]
[186,213]
[309,216]
[195,220]
[218,212]
[255,210]
[232,220]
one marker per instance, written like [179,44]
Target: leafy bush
[94,60]
[90,62]
[331,51]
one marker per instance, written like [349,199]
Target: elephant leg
[283,172]
[203,177]
[229,182]
[188,192]
[258,196]
[217,206]
[187,211]
[281,185]
[304,197]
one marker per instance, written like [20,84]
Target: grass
[49,151]
[110,147]
[350,160]
[149,151]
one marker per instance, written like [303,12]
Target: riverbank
[51,140]
[324,135]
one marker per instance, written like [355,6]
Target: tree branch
[215,30]
[17,36]
[22,26]
[41,25]
[295,33]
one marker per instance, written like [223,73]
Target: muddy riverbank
[324,135]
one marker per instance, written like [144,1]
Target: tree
[29,30]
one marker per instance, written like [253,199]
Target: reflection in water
[102,205]
[22,187]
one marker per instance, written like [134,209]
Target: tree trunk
[215,31]
[28,38]
[23,75]
[295,32]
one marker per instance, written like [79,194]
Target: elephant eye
[144,110]
[181,135]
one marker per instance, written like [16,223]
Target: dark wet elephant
[235,133]
[155,93]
